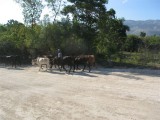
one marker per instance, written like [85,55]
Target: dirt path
[103,94]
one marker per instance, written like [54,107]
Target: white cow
[41,61]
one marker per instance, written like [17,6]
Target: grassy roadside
[133,60]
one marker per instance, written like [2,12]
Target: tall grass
[141,59]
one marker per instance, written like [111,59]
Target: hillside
[150,27]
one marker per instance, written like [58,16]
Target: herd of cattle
[12,60]
[66,63]
[71,61]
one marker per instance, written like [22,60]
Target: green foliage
[86,16]
[142,34]
[112,36]
[92,29]
[153,39]
[86,11]
[7,47]
[133,43]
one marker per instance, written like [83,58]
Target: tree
[86,15]
[55,6]
[32,10]
[142,34]
[46,20]
[87,12]
[2,28]
[133,43]
[11,38]
[111,35]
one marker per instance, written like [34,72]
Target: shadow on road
[130,73]
[87,74]
[133,72]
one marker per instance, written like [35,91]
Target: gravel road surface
[103,94]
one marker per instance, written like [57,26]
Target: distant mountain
[150,27]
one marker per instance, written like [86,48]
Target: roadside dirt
[103,94]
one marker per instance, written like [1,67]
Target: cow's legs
[73,68]
[70,69]
[63,66]
[89,67]
[84,67]
[40,66]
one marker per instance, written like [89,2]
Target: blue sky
[136,9]
[128,9]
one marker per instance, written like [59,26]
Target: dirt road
[103,94]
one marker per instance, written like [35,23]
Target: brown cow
[85,60]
